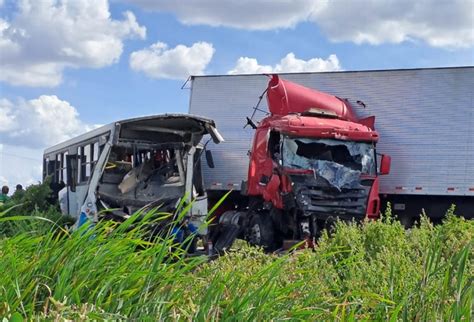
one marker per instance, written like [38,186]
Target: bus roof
[109,128]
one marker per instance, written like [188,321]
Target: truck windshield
[331,159]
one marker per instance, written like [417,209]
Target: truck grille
[314,196]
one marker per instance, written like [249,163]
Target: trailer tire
[261,232]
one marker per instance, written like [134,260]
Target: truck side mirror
[209,159]
[385,164]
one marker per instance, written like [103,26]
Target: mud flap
[228,231]
[226,237]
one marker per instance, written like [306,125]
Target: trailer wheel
[261,232]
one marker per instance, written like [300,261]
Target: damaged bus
[133,164]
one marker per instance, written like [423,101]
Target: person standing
[19,192]
[4,195]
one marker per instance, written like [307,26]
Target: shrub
[32,211]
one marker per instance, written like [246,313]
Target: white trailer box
[425,118]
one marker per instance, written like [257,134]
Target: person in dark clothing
[19,192]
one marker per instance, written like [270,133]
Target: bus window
[95,153]
[45,170]
[50,168]
[87,164]
[72,171]
[80,170]
[55,167]
[87,157]
[64,168]
[58,172]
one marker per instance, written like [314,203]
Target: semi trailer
[284,167]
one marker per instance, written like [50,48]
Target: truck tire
[407,221]
[261,232]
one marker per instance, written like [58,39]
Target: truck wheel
[406,221]
[261,232]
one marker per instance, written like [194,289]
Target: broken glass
[340,163]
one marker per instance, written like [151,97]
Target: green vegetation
[374,271]
[35,203]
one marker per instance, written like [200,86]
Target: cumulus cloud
[39,122]
[438,23]
[27,127]
[244,14]
[20,165]
[288,64]
[42,38]
[158,61]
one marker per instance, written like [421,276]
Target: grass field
[374,271]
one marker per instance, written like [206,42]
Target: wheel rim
[255,235]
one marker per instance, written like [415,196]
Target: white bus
[131,164]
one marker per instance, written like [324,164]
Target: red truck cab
[311,161]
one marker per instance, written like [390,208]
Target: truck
[313,157]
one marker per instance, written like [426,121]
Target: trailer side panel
[425,118]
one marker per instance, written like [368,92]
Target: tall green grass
[370,271]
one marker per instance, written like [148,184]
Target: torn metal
[315,195]
[153,160]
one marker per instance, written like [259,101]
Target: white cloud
[438,23]
[45,37]
[287,64]
[27,127]
[20,165]
[244,14]
[38,123]
[157,61]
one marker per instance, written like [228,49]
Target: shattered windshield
[339,162]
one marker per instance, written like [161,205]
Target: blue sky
[56,84]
